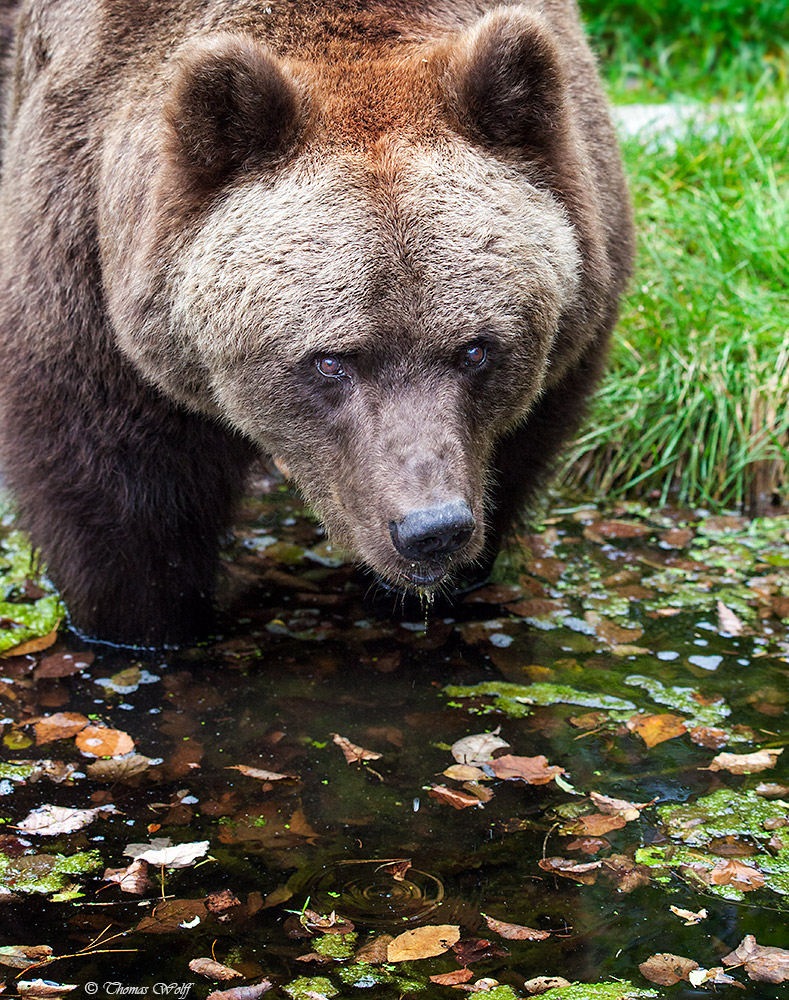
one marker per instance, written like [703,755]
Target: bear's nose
[433,531]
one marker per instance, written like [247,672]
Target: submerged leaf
[762,963]
[163,853]
[213,970]
[354,754]
[515,932]
[423,942]
[478,749]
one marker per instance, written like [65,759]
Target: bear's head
[369,266]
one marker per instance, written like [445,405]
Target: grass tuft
[694,407]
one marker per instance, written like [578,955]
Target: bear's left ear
[505,80]
[230,107]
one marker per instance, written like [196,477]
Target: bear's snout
[430,533]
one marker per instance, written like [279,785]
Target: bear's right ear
[230,108]
[505,80]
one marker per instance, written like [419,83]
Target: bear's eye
[330,366]
[474,356]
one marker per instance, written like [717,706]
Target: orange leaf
[353,753]
[100,741]
[423,942]
[515,932]
[450,978]
[654,729]
[33,645]
[59,726]
[533,770]
[459,800]
[736,874]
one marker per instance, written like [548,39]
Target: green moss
[338,946]
[682,699]
[724,813]
[26,619]
[510,698]
[45,873]
[16,772]
[600,991]
[307,987]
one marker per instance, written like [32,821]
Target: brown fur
[200,200]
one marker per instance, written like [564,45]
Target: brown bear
[382,241]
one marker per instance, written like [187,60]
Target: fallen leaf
[397,869]
[261,775]
[688,916]
[51,821]
[458,800]
[472,950]
[63,664]
[164,854]
[541,984]
[221,902]
[59,726]
[121,768]
[515,932]
[133,879]
[618,807]
[532,770]
[242,992]
[713,977]
[101,741]
[375,952]
[172,916]
[585,873]
[213,970]
[728,622]
[465,772]
[624,873]
[353,753]
[22,956]
[34,646]
[43,989]
[451,978]
[331,923]
[423,942]
[736,874]
[745,763]
[477,749]
[762,962]
[654,729]
[771,790]
[621,529]
[709,737]
[594,825]
[666,969]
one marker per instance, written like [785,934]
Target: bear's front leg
[126,496]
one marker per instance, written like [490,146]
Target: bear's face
[374,314]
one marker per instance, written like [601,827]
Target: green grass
[694,407]
[659,49]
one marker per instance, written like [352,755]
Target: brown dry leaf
[51,821]
[458,800]
[474,788]
[464,772]
[624,873]
[709,737]
[654,729]
[260,774]
[688,916]
[771,790]
[666,969]
[728,622]
[762,962]
[397,869]
[736,874]
[473,950]
[171,915]
[22,956]
[213,970]
[621,529]
[541,984]
[515,932]
[585,873]
[423,942]
[533,770]
[712,977]
[101,741]
[326,924]
[374,952]
[353,753]
[617,807]
[133,879]
[40,989]
[35,646]
[478,749]
[221,902]
[242,992]
[594,825]
[587,845]
[745,763]
[120,768]
[59,726]
[450,978]
[63,664]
